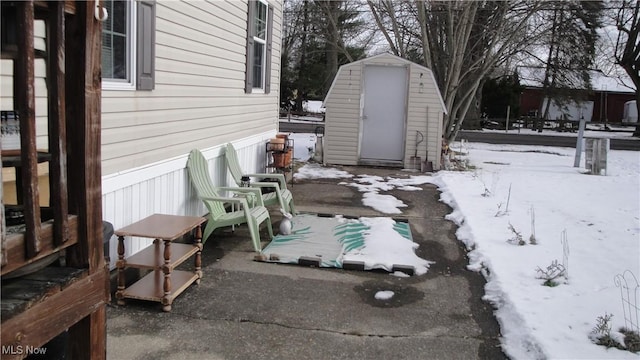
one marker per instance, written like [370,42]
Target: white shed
[384,110]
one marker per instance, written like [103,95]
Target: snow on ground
[385,247]
[303,145]
[316,171]
[384,295]
[589,225]
[313,106]
[302,119]
[620,134]
[371,186]
[547,196]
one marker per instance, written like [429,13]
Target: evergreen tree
[571,51]
[320,35]
[500,93]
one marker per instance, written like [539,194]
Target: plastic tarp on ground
[335,241]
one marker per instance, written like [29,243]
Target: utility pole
[576,162]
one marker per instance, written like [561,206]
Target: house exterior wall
[199,98]
[198,102]
[344,111]
[40,86]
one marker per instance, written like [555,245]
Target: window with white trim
[259,37]
[128,45]
[117,44]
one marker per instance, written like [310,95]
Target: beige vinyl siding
[343,107]
[40,72]
[422,99]
[6,100]
[199,99]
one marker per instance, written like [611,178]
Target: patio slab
[246,309]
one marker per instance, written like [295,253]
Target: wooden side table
[163,284]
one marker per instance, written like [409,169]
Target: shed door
[383,121]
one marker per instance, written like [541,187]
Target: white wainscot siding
[165,188]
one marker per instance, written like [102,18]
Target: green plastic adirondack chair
[252,215]
[280,196]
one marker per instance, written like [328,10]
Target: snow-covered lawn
[548,197]
[585,224]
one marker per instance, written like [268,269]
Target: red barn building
[608,96]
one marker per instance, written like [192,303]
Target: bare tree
[460,41]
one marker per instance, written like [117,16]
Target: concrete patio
[244,309]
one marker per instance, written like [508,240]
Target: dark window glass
[114,41]
[258,59]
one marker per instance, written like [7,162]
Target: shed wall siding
[342,116]
[199,99]
[423,116]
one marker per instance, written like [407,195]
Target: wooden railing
[76,301]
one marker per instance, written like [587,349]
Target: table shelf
[150,287]
[152,257]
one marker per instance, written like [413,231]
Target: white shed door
[383,121]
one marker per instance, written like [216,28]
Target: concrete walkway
[244,309]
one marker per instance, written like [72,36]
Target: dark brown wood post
[83,40]
[120,266]
[83,133]
[166,269]
[198,257]
[57,121]
[25,104]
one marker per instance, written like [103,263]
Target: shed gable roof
[391,58]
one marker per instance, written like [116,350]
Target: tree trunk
[332,48]
[302,64]
[637,131]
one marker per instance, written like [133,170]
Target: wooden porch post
[57,121]
[26,106]
[83,93]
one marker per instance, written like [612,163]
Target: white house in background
[179,75]
[384,110]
